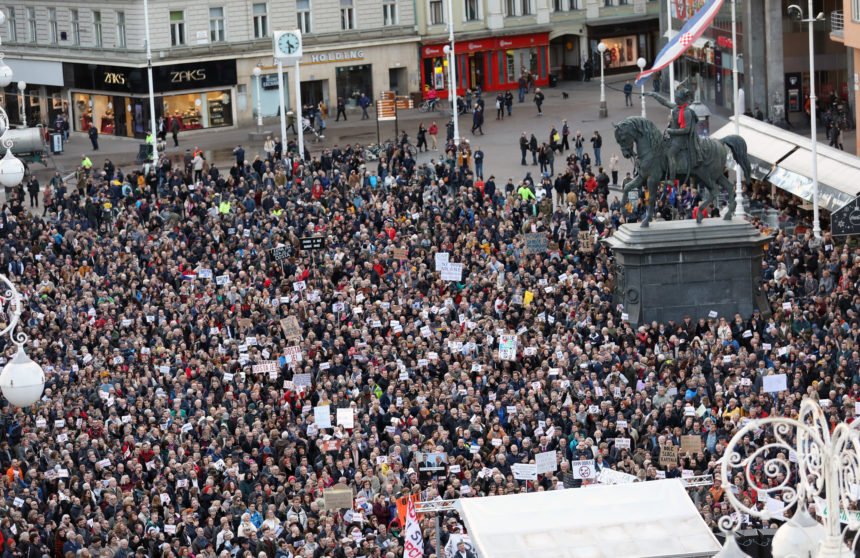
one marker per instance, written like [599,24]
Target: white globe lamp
[5,73]
[11,169]
[22,380]
[257,71]
[799,537]
[22,85]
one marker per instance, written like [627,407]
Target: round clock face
[288,43]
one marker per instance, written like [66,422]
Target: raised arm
[661,99]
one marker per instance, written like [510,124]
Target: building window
[389,12]
[261,20]
[855,10]
[437,12]
[510,8]
[177,28]
[97,28]
[12,24]
[347,14]
[76,27]
[31,25]
[471,9]
[527,7]
[53,32]
[303,13]
[120,30]
[575,5]
[216,25]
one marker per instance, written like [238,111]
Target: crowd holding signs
[207,396]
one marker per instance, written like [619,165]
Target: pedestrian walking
[596,144]
[565,135]
[478,157]
[433,131]
[521,88]
[478,119]
[628,94]
[554,139]
[533,147]
[47,198]
[364,102]
[449,131]
[613,168]
[174,130]
[578,143]
[341,109]
[524,148]
[539,97]
[422,137]
[500,107]
[509,101]
[93,133]
[239,152]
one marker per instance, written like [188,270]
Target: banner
[609,476]
[413,542]
[524,471]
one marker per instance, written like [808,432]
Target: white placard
[546,462]
[222,280]
[583,469]
[452,272]
[775,383]
[322,416]
[524,471]
[441,260]
[346,417]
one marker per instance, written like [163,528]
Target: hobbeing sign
[336,56]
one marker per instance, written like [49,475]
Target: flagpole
[669,38]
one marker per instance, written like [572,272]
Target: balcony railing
[837,22]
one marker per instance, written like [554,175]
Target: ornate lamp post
[641,63]
[601,48]
[827,465]
[22,380]
[22,87]
[257,71]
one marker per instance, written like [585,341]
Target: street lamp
[452,72]
[826,463]
[22,86]
[641,63]
[151,86]
[603,112]
[739,188]
[257,72]
[796,12]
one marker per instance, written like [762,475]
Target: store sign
[114,78]
[269,81]
[336,56]
[188,76]
[168,78]
[506,43]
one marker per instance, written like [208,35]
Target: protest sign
[312,242]
[302,380]
[337,497]
[441,259]
[346,417]
[508,346]
[452,272]
[265,367]
[432,461]
[586,241]
[524,471]
[622,443]
[454,540]
[546,462]
[330,445]
[609,476]
[775,383]
[668,455]
[691,444]
[222,280]
[293,355]
[583,470]
[536,243]
[322,416]
[400,253]
[279,254]
[291,328]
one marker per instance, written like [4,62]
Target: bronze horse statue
[641,140]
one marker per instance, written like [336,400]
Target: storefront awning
[36,72]
[789,157]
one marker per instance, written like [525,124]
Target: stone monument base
[674,269]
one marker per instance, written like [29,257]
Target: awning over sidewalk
[789,157]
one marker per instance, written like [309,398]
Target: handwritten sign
[452,272]
[400,253]
[441,259]
[536,243]
[691,444]
[546,462]
[265,367]
[290,327]
[668,455]
[338,498]
[507,346]
[279,254]
[524,471]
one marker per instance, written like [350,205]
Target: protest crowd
[228,354]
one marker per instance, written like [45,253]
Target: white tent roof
[647,519]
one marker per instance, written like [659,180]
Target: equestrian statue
[679,154]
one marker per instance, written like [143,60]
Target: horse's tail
[738,147]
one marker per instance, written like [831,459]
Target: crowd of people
[211,378]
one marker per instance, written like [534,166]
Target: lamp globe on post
[11,169]
[5,73]
[601,48]
[799,537]
[641,63]
[22,380]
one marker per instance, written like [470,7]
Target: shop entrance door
[313,91]
[397,81]
[476,70]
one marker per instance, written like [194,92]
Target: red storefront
[495,64]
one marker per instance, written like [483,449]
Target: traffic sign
[846,220]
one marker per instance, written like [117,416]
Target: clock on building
[288,44]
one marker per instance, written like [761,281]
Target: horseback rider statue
[681,133]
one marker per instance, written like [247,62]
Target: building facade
[845,30]
[90,62]
[498,41]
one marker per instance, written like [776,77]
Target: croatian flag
[684,39]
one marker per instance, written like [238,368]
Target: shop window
[527,7]
[620,51]
[216,25]
[261,20]
[177,28]
[31,25]
[75,16]
[347,14]
[303,11]
[352,81]
[11,24]
[389,12]
[194,111]
[97,28]
[120,30]
[471,8]
[437,12]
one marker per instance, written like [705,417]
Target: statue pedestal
[680,268]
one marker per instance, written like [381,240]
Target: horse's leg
[629,187]
[730,188]
[650,208]
[707,194]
